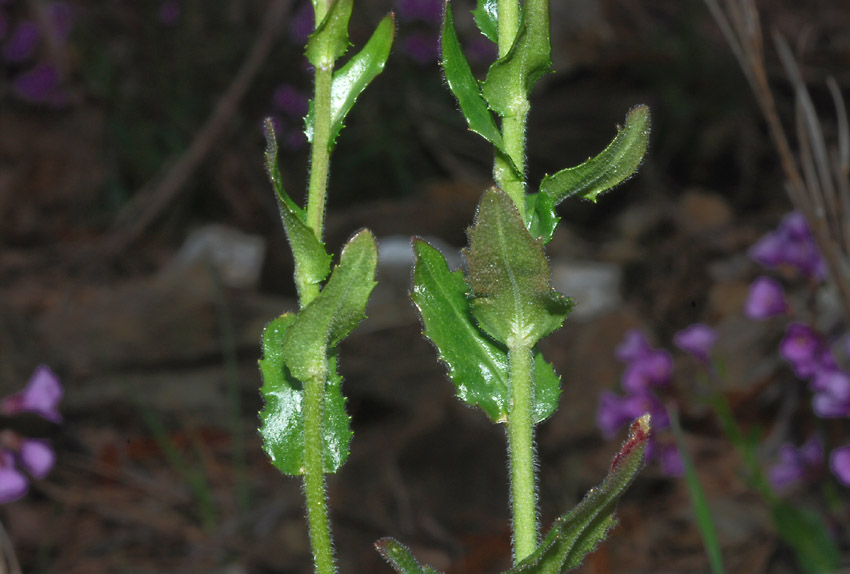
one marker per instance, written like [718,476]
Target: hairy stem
[521,450]
[320,153]
[509,170]
[314,475]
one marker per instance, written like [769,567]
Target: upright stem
[521,450]
[314,475]
[314,389]
[321,154]
[509,170]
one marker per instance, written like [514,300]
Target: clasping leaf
[337,309]
[477,365]
[513,299]
[400,557]
[614,165]
[350,80]
[282,417]
[465,87]
[330,40]
[312,262]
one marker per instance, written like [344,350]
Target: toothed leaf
[351,79]
[282,418]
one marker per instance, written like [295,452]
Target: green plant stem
[521,450]
[314,475]
[321,153]
[509,170]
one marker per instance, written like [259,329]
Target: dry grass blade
[818,185]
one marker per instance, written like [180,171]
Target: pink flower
[697,339]
[41,396]
[765,299]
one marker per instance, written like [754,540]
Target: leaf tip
[639,434]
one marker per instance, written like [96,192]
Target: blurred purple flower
[806,350]
[481,49]
[288,100]
[832,393]
[765,299]
[421,47]
[36,457]
[41,396]
[615,411]
[634,346]
[839,463]
[13,484]
[697,339]
[60,19]
[653,369]
[302,24]
[169,12]
[792,244]
[670,460]
[796,464]
[425,10]
[21,45]
[40,85]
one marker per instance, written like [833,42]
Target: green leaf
[547,388]
[509,275]
[465,87]
[543,219]
[400,557]
[330,40]
[312,262]
[350,80]
[529,58]
[578,532]
[614,165]
[477,366]
[337,309]
[486,16]
[282,419]
[806,533]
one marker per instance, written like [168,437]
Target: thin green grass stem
[521,451]
[698,499]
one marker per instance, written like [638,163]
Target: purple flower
[839,463]
[23,42]
[60,19]
[611,414]
[169,12]
[697,339]
[796,464]
[302,24]
[41,396]
[832,393]
[13,484]
[423,48]
[40,85]
[805,350]
[36,457]
[765,299]
[651,370]
[288,100]
[633,347]
[425,10]
[670,460]
[615,412]
[792,244]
